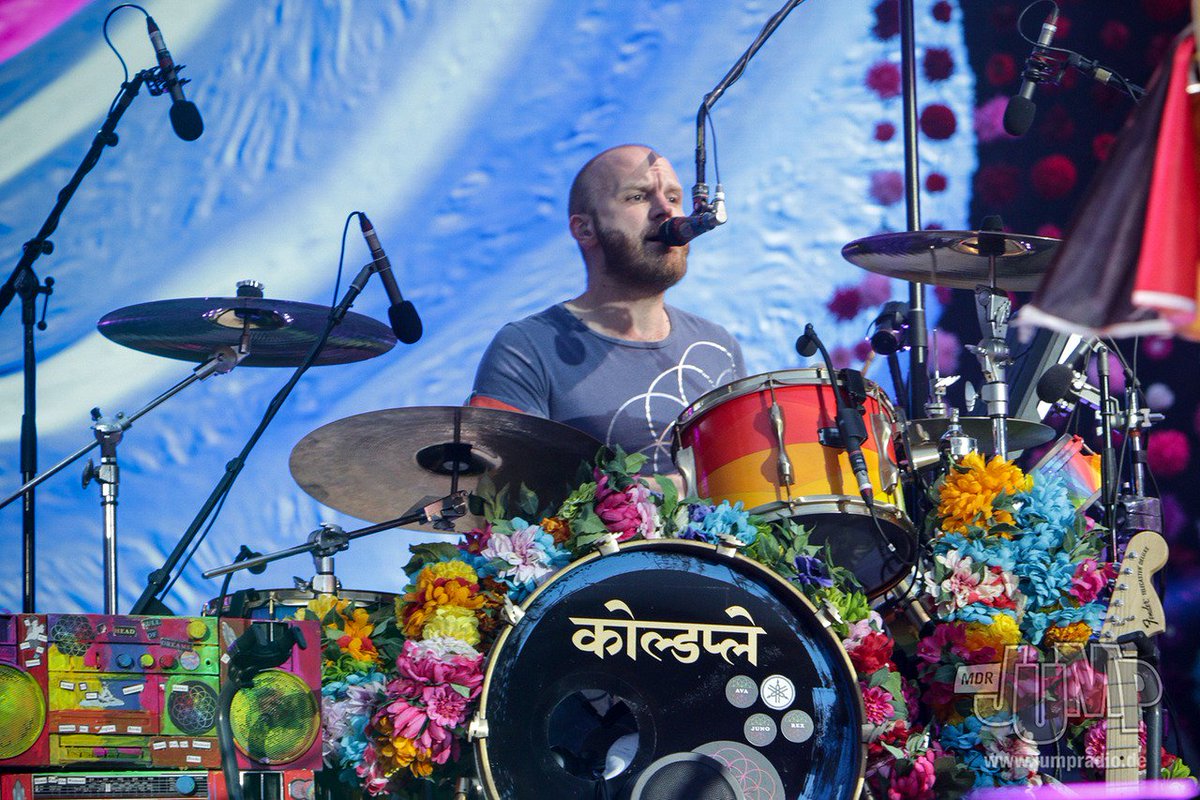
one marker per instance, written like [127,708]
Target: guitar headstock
[1134,606]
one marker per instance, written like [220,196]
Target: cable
[337,283]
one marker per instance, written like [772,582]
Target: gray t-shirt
[621,392]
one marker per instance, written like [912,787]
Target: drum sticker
[760,730]
[755,775]
[603,637]
[796,726]
[741,691]
[778,692]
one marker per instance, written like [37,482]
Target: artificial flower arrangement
[1015,582]
[400,683]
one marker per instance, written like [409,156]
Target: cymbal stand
[329,539]
[993,309]
[107,433]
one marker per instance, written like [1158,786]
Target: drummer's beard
[643,263]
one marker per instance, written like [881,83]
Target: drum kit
[761,440]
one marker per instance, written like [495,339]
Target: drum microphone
[406,323]
[850,426]
[1018,115]
[185,117]
[1062,384]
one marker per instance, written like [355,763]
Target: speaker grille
[22,711]
[276,720]
[192,707]
[685,775]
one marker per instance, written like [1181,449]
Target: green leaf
[430,553]
[527,503]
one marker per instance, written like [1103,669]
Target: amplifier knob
[167,661]
[147,661]
[185,784]
[124,660]
[197,630]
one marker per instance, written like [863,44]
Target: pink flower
[375,782]
[444,705]
[629,513]
[419,667]
[877,703]
[1088,581]
[527,559]
[952,635]
[1084,690]
[917,783]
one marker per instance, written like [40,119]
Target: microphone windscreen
[805,345]
[1055,383]
[185,119]
[406,323]
[1018,115]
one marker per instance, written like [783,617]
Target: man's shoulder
[548,320]
[693,324]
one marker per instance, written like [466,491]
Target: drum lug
[729,546]
[477,728]
[828,615]
[511,612]
[609,544]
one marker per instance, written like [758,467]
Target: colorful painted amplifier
[120,692]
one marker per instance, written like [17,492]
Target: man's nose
[660,206]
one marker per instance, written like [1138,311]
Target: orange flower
[557,527]
[969,493]
[432,592]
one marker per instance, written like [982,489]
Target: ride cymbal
[281,332]
[956,259]
[382,464]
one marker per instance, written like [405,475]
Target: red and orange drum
[729,447]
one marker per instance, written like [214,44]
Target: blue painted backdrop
[458,127]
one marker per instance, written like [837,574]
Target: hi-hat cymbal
[380,465]
[281,332]
[924,435]
[957,259]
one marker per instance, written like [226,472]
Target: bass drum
[669,669]
[733,442]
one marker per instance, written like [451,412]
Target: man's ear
[582,227]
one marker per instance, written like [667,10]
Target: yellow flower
[1068,638]
[404,753]
[321,605]
[453,621]
[967,495]
[454,569]
[1002,631]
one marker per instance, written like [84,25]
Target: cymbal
[957,259]
[924,435]
[281,331]
[380,465]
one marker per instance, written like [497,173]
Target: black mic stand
[149,601]
[24,282]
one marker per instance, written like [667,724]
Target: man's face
[635,194]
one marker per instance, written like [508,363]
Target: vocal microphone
[185,117]
[1018,115]
[678,231]
[1062,384]
[406,324]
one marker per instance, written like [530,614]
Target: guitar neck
[1122,741]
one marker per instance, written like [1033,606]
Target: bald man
[617,361]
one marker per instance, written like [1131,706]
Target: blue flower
[992,551]
[978,612]
[1045,578]
[1045,512]
[708,523]
[811,571]
[963,736]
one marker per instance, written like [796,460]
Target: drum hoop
[846,504]
[485,764]
[803,376]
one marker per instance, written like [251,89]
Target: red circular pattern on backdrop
[997,185]
[938,121]
[884,131]
[883,78]
[938,64]
[935,182]
[1053,177]
[1001,69]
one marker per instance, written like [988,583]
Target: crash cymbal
[957,259]
[924,435]
[281,331]
[380,465]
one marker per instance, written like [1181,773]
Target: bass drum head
[670,664]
